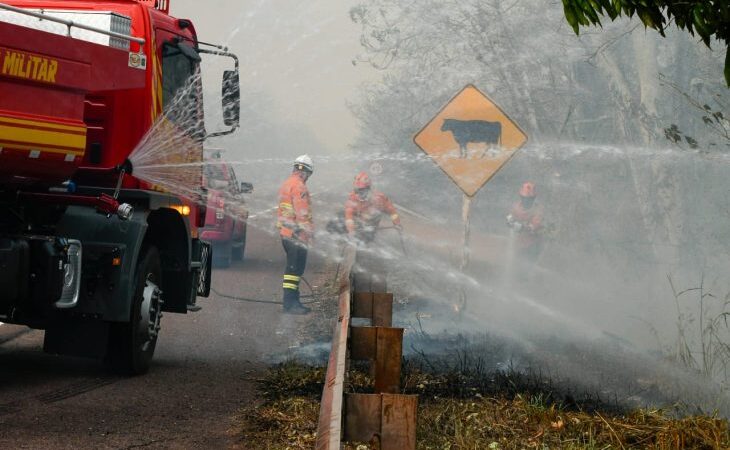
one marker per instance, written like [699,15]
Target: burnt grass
[460,367]
[488,392]
[483,391]
[292,379]
[458,375]
[463,403]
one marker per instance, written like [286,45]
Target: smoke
[634,224]
[297,55]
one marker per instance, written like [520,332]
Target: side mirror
[231,98]
[246,188]
[230,92]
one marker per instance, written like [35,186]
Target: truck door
[180,87]
[182,94]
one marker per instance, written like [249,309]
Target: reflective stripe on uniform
[292,286]
[292,278]
[287,216]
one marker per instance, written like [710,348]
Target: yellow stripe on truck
[53,125]
[42,138]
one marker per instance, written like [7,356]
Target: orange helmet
[528,190]
[362,181]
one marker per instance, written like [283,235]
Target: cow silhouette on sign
[473,131]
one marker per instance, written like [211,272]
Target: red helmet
[528,190]
[362,181]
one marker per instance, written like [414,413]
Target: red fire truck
[89,252]
[225,223]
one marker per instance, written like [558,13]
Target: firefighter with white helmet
[296,230]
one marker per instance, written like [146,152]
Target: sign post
[465,212]
[470,139]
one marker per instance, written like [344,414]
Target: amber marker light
[182,209]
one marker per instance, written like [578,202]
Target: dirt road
[205,368]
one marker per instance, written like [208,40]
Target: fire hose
[312,295]
[271,302]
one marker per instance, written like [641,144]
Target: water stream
[620,218]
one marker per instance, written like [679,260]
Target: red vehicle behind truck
[225,222]
[89,252]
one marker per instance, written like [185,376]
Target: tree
[707,18]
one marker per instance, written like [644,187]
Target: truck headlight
[71,276]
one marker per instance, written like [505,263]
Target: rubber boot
[292,304]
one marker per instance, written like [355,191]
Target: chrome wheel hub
[150,314]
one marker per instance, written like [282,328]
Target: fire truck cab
[90,252]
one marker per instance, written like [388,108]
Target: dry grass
[529,423]
[475,417]
[279,424]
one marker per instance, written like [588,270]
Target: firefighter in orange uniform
[296,230]
[365,207]
[525,218]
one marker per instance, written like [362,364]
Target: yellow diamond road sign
[470,139]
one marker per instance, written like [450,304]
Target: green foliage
[705,18]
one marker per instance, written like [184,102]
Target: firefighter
[525,219]
[296,230]
[365,207]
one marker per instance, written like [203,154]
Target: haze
[299,54]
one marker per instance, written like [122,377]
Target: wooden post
[388,358]
[378,307]
[382,346]
[387,421]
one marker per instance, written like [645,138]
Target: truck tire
[132,344]
[239,250]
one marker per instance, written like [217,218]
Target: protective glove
[510,220]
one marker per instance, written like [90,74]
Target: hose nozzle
[125,211]
[125,167]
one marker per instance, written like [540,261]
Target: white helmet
[304,162]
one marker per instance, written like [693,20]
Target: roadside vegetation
[474,409]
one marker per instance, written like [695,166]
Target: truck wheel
[239,250]
[132,344]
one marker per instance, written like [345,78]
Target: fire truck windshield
[176,71]
[181,88]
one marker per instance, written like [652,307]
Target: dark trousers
[296,261]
